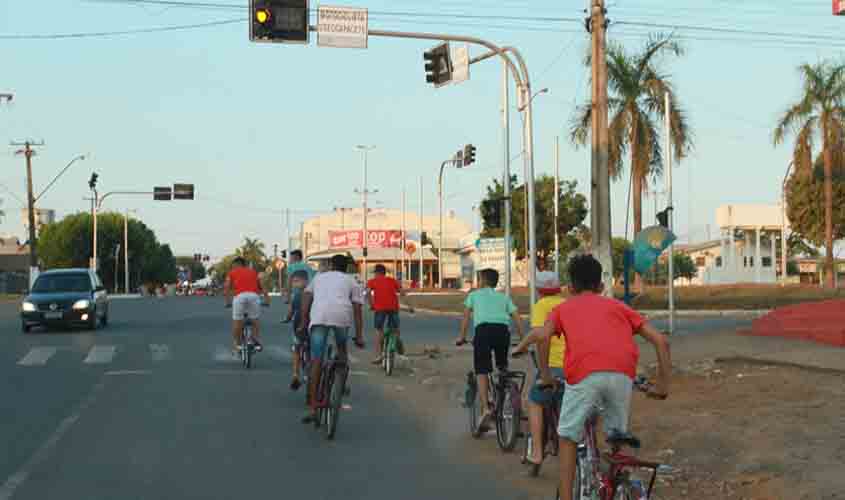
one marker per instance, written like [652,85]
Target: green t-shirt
[301,266]
[490,306]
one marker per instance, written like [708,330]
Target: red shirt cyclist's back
[243,280]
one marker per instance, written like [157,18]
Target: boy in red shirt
[383,296]
[601,359]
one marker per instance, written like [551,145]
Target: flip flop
[295,384]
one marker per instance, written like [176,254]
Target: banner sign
[355,239]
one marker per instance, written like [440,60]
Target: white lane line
[160,352]
[100,354]
[279,352]
[117,373]
[37,356]
[20,476]
[223,354]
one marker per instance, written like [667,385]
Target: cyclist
[332,303]
[601,359]
[296,265]
[550,361]
[298,281]
[491,313]
[383,296]
[241,289]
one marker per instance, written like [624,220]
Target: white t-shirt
[334,293]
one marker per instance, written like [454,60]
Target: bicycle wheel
[626,490]
[389,355]
[581,482]
[471,403]
[335,401]
[507,417]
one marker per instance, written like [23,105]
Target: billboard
[355,239]
[839,7]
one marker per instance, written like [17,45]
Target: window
[718,262]
[750,261]
[700,261]
[767,262]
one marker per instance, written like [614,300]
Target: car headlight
[82,304]
[28,307]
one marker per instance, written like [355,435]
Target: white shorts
[248,303]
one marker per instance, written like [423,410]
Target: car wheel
[93,322]
[25,328]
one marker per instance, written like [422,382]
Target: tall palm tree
[819,112]
[252,251]
[637,105]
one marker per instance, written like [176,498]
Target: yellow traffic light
[262,15]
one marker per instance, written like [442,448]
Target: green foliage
[572,211]
[197,269]
[619,245]
[253,251]
[68,243]
[806,208]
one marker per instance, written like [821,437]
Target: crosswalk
[108,354]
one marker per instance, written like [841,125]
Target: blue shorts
[389,317]
[544,397]
[319,336]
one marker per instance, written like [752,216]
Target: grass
[724,297]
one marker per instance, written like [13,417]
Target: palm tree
[819,112]
[253,252]
[636,102]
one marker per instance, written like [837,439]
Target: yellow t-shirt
[539,312]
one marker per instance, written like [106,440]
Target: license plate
[53,315]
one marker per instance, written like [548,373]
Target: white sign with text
[343,27]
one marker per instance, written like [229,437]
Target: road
[154,406]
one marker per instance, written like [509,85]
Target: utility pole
[28,153]
[557,207]
[126,252]
[600,187]
[404,236]
[116,266]
[422,262]
[506,173]
[364,192]
[671,216]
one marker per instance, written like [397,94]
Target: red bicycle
[608,475]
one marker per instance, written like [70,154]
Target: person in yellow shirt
[550,361]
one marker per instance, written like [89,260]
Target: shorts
[490,339]
[391,317]
[248,303]
[610,391]
[319,339]
[544,397]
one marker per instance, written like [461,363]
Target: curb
[759,360]
[651,314]
[123,296]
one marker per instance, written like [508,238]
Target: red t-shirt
[243,279]
[385,293]
[599,333]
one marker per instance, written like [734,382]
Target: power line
[102,34]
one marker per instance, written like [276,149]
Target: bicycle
[389,348]
[504,401]
[334,375]
[246,348]
[607,476]
[551,417]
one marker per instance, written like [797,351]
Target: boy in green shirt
[491,313]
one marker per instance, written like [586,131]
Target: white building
[747,250]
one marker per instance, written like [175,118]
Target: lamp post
[783,258]
[364,192]
[61,172]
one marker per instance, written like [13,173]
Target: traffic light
[183,191]
[663,217]
[284,254]
[469,155]
[278,21]
[438,65]
[198,257]
[92,182]
[491,211]
[162,193]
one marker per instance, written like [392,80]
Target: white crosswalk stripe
[101,354]
[160,352]
[37,356]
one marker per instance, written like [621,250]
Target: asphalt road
[153,406]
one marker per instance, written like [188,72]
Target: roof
[696,247]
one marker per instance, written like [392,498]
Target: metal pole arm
[44,191]
[102,198]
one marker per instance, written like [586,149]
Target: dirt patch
[731,429]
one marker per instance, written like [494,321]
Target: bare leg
[535,423]
[379,342]
[567,468]
[237,329]
[256,330]
[483,391]
[313,383]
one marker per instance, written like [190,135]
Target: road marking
[37,356]
[116,373]
[100,354]
[43,453]
[279,352]
[223,354]
[352,359]
[358,374]
[160,352]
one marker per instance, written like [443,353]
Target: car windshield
[58,283]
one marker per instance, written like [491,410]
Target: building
[747,250]
[811,270]
[14,265]
[341,231]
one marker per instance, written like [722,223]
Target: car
[66,297]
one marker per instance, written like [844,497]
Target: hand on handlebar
[652,391]
[460,341]
[359,343]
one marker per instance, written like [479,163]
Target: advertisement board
[355,239]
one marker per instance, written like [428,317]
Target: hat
[548,282]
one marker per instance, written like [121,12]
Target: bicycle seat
[617,439]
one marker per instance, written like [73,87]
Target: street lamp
[364,192]
[783,226]
[61,172]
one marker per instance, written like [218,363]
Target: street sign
[492,254]
[460,64]
[342,27]
[183,191]
[839,7]
[162,193]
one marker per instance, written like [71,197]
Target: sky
[262,128]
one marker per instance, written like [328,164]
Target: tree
[637,106]
[68,243]
[806,215]
[619,246]
[572,210]
[252,251]
[819,112]
[684,267]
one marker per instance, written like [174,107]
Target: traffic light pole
[98,203]
[506,140]
[440,201]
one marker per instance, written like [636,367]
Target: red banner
[839,7]
[355,239]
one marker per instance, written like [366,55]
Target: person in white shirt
[332,303]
